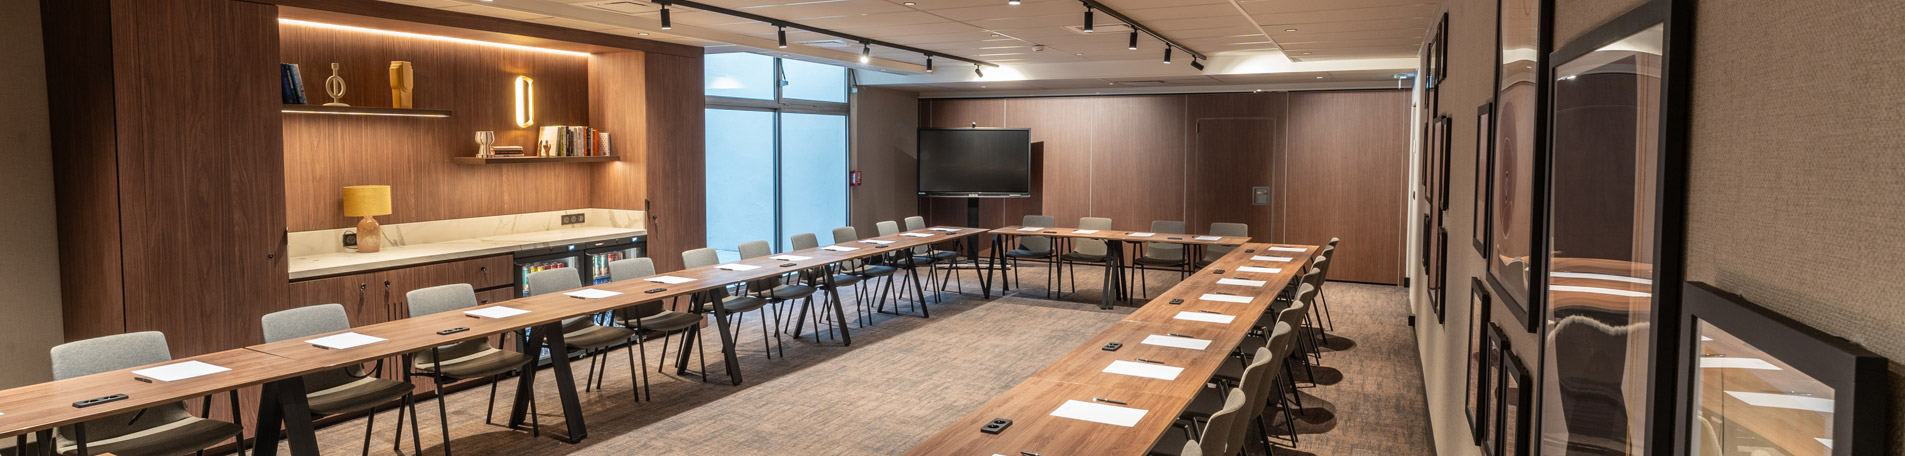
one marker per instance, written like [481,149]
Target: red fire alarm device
[853,178]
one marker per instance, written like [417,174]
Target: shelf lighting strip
[430,37]
[350,113]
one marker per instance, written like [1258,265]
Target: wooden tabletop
[1079,375]
[1126,236]
[48,405]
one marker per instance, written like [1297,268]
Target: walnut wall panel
[412,154]
[1062,149]
[85,154]
[1235,144]
[1137,160]
[616,82]
[1346,162]
[676,157]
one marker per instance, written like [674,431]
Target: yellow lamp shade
[366,200]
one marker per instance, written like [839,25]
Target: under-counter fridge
[591,258]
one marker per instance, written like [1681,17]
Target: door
[1230,157]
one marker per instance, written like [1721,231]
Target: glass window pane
[740,178]
[814,81]
[813,174]
[739,75]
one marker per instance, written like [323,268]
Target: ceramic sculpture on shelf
[483,141]
[402,82]
[334,85]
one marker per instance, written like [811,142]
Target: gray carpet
[906,377]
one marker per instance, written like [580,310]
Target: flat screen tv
[975,162]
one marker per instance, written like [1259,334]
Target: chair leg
[641,345]
[443,411]
[1323,304]
[664,353]
[370,425]
[488,413]
[397,445]
[416,436]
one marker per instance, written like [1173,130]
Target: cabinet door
[361,295]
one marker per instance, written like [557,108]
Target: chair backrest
[1217,438]
[1333,241]
[441,298]
[309,321]
[110,353]
[845,234]
[1298,307]
[1322,263]
[1039,244]
[915,223]
[755,249]
[1191,449]
[553,280]
[1165,250]
[1224,229]
[804,241]
[1253,384]
[701,257]
[887,228]
[632,268]
[1091,246]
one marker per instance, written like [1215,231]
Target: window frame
[783,105]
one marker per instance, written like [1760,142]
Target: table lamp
[367,201]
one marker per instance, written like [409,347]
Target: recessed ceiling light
[1289,30]
[1319,77]
[1306,53]
[909,3]
[643,34]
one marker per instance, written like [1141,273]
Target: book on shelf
[292,83]
[571,141]
[506,151]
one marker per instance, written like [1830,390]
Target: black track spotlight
[1134,40]
[1196,65]
[979,70]
[666,23]
[783,34]
[1087,28]
[866,52]
[929,63]
[1167,54]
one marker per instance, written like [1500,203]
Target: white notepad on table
[1225,298]
[1259,269]
[1242,282]
[496,312]
[1084,231]
[1176,342]
[345,340]
[916,235]
[1030,228]
[1271,258]
[949,230]
[671,280]
[1143,234]
[791,257]
[875,241]
[1736,363]
[1209,238]
[1146,370]
[1206,317]
[1100,413]
[1285,249]
[737,267]
[591,293]
[839,248]
[179,371]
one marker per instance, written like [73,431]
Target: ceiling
[1037,32]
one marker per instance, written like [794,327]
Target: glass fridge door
[523,269]
[599,262]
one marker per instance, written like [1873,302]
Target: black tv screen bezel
[919,165]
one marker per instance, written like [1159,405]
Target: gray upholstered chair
[1322,305]
[941,258]
[584,333]
[649,319]
[1168,256]
[347,390]
[474,358]
[1216,438]
[910,261]
[1085,250]
[737,305]
[867,271]
[778,291]
[1214,252]
[841,280]
[1035,248]
[167,429]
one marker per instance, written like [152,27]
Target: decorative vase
[334,86]
[402,81]
[483,141]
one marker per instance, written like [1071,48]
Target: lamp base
[370,235]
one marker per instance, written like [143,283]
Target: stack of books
[572,141]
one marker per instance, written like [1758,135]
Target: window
[776,150]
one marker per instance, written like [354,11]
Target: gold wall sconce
[525,101]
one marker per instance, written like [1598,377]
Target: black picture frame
[1497,346]
[1442,54]
[1513,411]
[1427,242]
[1438,276]
[1484,181]
[1513,264]
[1476,388]
[1444,149]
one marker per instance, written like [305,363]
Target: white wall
[29,241]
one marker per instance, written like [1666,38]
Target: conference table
[1142,408]
[280,366]
[1113,288]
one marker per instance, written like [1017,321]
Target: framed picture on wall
[1484,157]
[1513,412]
[1438,276]
[1497,344]
[1445,135]
[1477,387]
[1442,51]
[1427,241]
[1514,261]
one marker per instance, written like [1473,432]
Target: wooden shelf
[525,160]
[363,111]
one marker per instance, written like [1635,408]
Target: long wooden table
[1079,376]
[279,366]
[1113,286]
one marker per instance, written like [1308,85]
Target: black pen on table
[1109,401]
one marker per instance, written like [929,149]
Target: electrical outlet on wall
[350,239]
[571,219]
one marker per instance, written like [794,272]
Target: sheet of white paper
[916,235]
[1285,249]
[1209,238]
[1206,317]
[1260,269]
[791,258]
[875,241]
[1146,370]
[1030,228]
[591,293]
[1100,413]
[1706,339]
[1084,231]
[1176,342]
[1225,298]
[1271,258]
[1242,282]
[840,248]
[737,267]
[671,280]
[1785,401]
[1143,234]
[1826,442]
[496,312]
[949,230]
[179,371]
[345,340]
[1736,363]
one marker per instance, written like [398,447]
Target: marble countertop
[328,264]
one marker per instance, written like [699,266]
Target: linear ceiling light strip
[842,35]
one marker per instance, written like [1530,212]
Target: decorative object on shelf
[525,102]
[1521,84]
[334,86]
[292,82]
[1477,387]
[506,151]
[402,83]
[483,141]
[367,201]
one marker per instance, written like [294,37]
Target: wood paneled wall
[675,162]
[1334,162]
[324,153]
